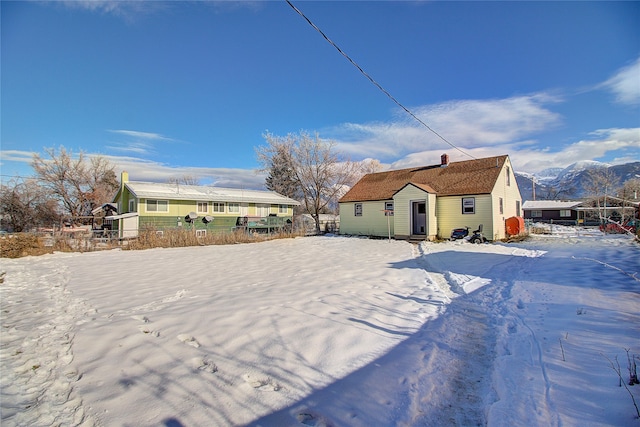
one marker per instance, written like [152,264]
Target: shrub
[22,244]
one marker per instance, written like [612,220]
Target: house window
[388,207]
[508,177]
[468,205]
[203,207]
[536,214]
[217,207]
[132,205]
[262,210]
[357,209]
[157,205]
[501,206]
[234,207]
[283,209]
[201,233]
[517,207]
[565,213]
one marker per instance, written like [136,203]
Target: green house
[428,202]
[204,209]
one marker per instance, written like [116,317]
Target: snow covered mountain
[568,183]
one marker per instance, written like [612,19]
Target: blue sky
[166,89]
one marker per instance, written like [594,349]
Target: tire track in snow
[38,321]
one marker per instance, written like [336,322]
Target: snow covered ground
[324,331]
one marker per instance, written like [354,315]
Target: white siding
[373,221]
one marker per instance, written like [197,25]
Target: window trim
[471,205]
[536,213]
[357,209]
[388,206]
[263,209]
[501,205]
[206,210]
[216,206]
[565,213]
[232,207]
[158,203]
[283,209]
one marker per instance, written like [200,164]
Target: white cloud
[141,135]
[16,156]
[467,124]
[121,8]
[625,84]
[131,9]
[136,142]
[147,170]
[527,156]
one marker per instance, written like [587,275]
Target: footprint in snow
[311,419]
[204,364]
[147,330]
[189,340]
[261,382]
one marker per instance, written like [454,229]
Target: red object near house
[514,225]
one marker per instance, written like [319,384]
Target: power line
[375,83]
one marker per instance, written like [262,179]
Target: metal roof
[550,204]
[155,190]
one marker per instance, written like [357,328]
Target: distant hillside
[568,183]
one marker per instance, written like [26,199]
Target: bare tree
[77,183]
[365,167]
[555,193]
[601,182]
[311,166]
[24,204]
[630,195]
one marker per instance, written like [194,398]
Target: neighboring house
[428,202]
[586,212]
[158,206]
[557,211]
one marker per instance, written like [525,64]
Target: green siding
[220,224]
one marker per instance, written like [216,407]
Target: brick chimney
[444,160]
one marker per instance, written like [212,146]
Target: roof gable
[457,178]
[423,187]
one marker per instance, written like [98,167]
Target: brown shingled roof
[456,179]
